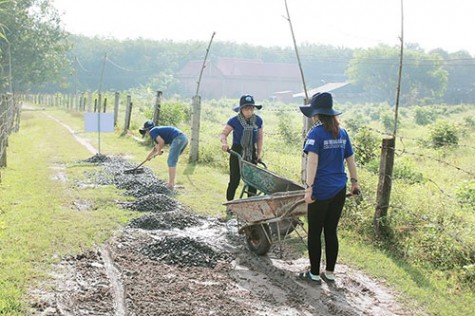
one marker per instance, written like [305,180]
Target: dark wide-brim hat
[148,125]
[322,103]
[246,100]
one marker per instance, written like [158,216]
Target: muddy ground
[170,261]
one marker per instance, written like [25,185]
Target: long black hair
[331,124]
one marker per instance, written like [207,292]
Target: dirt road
[170,261]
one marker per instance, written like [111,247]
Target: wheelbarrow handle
[235,153]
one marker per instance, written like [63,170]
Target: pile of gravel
[141,187]
[156,203]
[113,173]
[167,220]
[185,251]
[97,159]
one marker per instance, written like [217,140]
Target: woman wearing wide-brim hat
[248,139]
[327,146]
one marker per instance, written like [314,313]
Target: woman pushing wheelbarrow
[248,139]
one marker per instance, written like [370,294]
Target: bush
[424,116]
[366,146]
[406,170]
[286,131]
[355,122]
[443,133]
[387,119]
[469,122]
[174,113]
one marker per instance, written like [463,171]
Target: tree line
[37,55]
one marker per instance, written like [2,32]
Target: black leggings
[324,215]
[235,173]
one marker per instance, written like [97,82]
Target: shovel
[136,169]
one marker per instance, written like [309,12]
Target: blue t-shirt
[167,133]
[331,177]
[238,129]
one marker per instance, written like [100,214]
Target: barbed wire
[401,137]
[421,217]
[404,151]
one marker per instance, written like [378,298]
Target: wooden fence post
[3,131]
[128,113]
[195,129]
[384,184]
[89,101]
[158,103]
[116,107]
[76,102]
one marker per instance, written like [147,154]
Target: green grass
[27,185]
[39,222]
[420,289]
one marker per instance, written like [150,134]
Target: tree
[376,70]
[35,41]
[461,83]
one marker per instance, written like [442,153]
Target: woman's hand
[355,189]
[308,196]
[225,147]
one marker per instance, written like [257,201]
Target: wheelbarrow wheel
[257,238]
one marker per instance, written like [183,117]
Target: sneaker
[307,276]
[329,278]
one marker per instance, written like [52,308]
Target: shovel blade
[134,171]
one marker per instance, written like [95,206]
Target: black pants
[324,215]
[235,173]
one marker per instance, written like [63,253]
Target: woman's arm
[157,149]
[223,137]
[312,165]
[260,142]
[350,163]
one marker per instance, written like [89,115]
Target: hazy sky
[447,24]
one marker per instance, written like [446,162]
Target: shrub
[406,170]
[469,122]
[443,133]
[174,113]
[355,122]
[387,119]
[287,132]
[424,116]
[366,146]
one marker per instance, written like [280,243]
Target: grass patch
[39,220]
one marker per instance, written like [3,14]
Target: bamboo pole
[388,147]
[196,112]
[307,123]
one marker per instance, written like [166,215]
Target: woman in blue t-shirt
[327,146]
[166,135]
[248,138]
